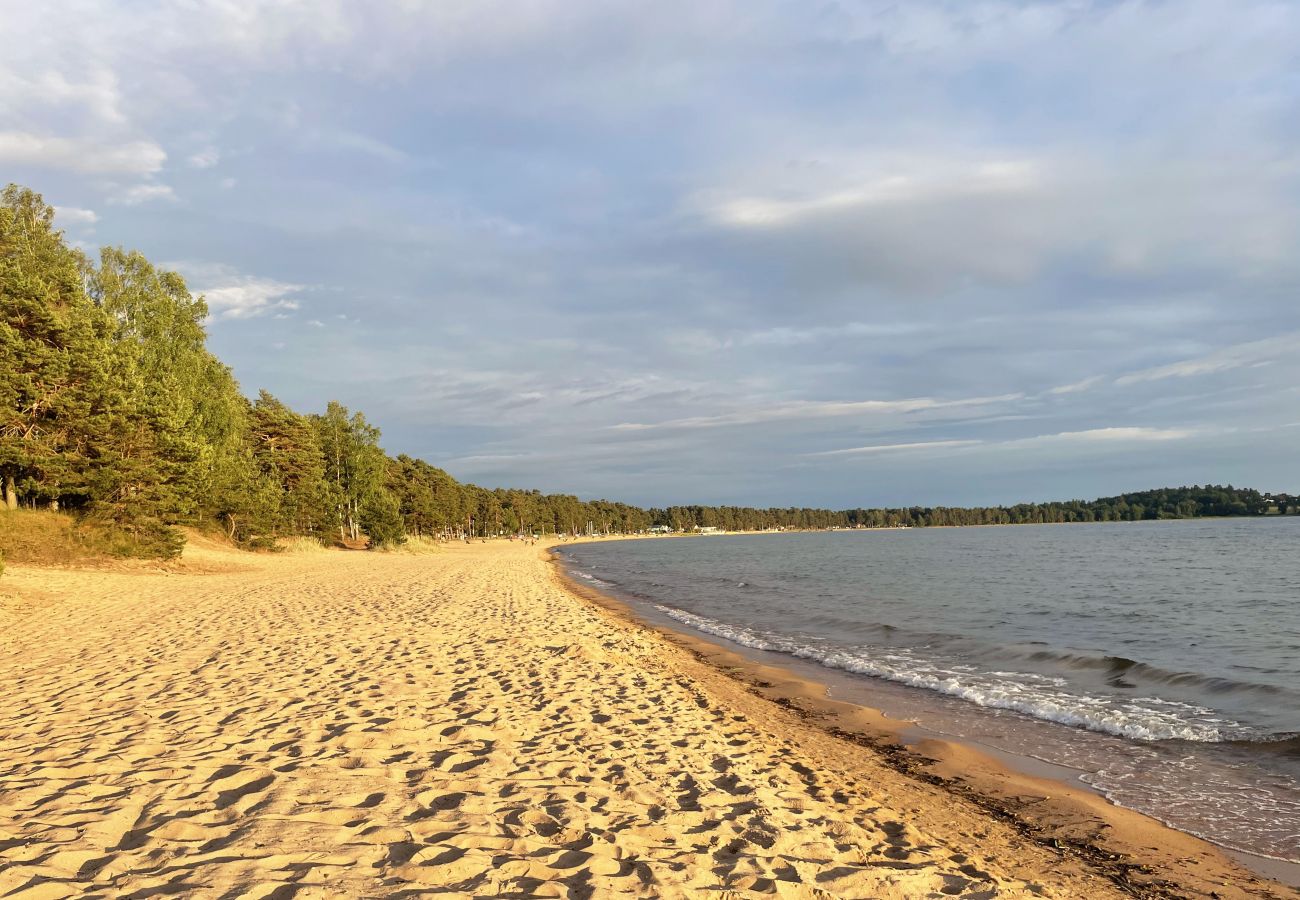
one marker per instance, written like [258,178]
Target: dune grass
[414,545]
[300,544]
[42,537]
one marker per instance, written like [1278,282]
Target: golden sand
[459,724]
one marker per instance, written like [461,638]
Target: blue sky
[820,253]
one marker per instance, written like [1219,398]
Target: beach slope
[351,724]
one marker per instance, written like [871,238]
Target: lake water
[1161,660]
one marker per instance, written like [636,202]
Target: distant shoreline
[840,530]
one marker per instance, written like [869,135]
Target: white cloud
[205,158]
[94,92]
[789,337]
[902,182]
[917,219]
[1092,436]
[905,218]
[888,448]
[1251,353]
[75,215]
[359,143]
[1124,434]
[134,195]
[814,409]
[85,156]
[233,295]
[1078,386]
[251,296]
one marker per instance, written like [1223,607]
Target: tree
[185,394]
[287,452]
[357,467]
[55,349]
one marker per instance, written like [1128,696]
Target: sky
[720,251]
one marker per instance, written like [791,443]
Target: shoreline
[346,724]
[1131,848]
[840,529]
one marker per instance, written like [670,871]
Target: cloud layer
[833,253]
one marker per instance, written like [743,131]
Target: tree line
[1165,503]
[113,408]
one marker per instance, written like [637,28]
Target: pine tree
[165,369]
[53,342]
[287,452]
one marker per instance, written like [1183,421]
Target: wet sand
[351,724]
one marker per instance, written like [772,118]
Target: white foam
[1143,719]
[587,576]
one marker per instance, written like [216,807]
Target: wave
[1038,696]
[1286,744]
[590,579]
[1123,667]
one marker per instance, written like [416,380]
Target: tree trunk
[11,493]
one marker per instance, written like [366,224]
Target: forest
[113,410]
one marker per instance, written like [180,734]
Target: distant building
[709,529]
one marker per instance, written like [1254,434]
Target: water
[1161,660]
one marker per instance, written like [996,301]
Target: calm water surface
[1160,659]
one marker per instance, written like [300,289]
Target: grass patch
[300,545]
[414,545]
[43,538]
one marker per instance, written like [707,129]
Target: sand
[461,724]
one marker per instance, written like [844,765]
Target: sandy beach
[465,724]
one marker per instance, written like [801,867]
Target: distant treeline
[1166,503]
[112,407]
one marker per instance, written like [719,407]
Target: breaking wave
[1027,693]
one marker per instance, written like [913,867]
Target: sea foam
[1031,694]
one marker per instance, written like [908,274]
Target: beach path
[353,724]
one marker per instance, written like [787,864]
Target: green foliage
[54,344]
[1165,503]
[42,537]
[296,498]
[184,397]
[357,470]
[380,518]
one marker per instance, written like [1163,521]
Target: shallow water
[1160,659]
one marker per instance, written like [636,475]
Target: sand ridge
[352,724]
